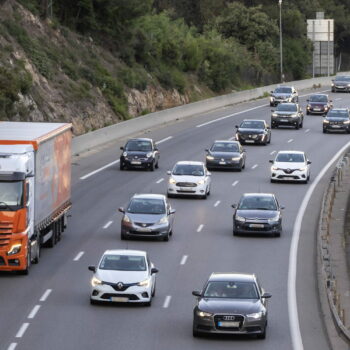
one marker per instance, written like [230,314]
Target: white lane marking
[160,180]
[293,255]
[46,295]
[22,330]
[183,260]
[273,152]
[254,166]
[109,223]
[200,228]
[34,311]
[290,140]
[232,138]
[307,130]
[78,256]
[167,301]
[235,183]
[99,170]
[337,99]
[164,140]
[12,346]
[217,203]
[229,116]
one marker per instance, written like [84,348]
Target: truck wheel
[51,242]
[26,270]
[37,253]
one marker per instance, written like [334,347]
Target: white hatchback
[189,178]
[124,276]
[290,166]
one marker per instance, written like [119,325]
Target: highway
[50,309]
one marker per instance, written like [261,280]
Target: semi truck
[35,190]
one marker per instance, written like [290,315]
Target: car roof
[141,139]
[258,195]
[189,162]
[319,95]
[287,103]
[287,86]
[253,120]
[149,196]
[291,151]
[340,109]
[226,141]
[125,252]
[232,276]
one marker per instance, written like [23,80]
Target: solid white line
[22,330]
[230,116]
[12,346]
[235,183]
[217,203]
[254,166]
[307,130]
[34,311]
[167,301]
[109,223]
[46,295]
[163,140]
[290,140]
[273,152]
[293,255]
[183,260]
[78,256]
[200,228]
[160,180]
[337,99]
[98,170]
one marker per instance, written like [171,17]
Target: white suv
[290,166]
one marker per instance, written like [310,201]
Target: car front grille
[289,171]
[143,224]
[186,184]
[143,233]
[108,296]
[222,318]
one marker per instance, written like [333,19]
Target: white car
[290,166]
[124,276]
[189,178]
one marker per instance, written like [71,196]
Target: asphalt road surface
[50,309]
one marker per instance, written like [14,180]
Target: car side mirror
[271,161]
[307,100]
[208,173]
[282,207]
[154,270]
[156,149]
[272,110]
[266,296]
[268,127]
[122,148]
[92,268]
[196,293]
[172,211]
[168,172]
[309,162]
[206,150]
[271,92]
[236,126]
[122,210]
[330,100]
[234,206]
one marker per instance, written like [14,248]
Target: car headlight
[144,283]
[293,115]
[204,314]
[274,168]
[255,315]
[346,122]
[95,282]
[126,218]
[308,106]
[303,168]
[239,218]
[210,157]
[332,84]
[325,108]
[163,220]
[274,114]
[15,248]
[125,154]
[149,154]
[348,85]
[201,182]
[326,121]
[236,159]
[272,98]
[274,219]
[172,181]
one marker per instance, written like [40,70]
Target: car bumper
[341,88]
[337,127]
[295,176]
[199,190]
[131,230]
[139,163]
[258,139]
[285,121]
[226,164]
[317,111]
[257,228]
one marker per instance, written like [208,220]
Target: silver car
[231,303]
[147,215]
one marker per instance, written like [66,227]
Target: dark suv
[139,153]
[283,94]
[253,131]
[341,83]
[287,114]
[337,119]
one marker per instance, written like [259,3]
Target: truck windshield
[11,195]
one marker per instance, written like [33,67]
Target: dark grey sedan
[253,131]
[341,83]
[225,155]
[257,213]
[147,216]
[231,303]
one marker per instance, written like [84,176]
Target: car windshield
[123,263]
[290,158]
[136,145]
[231,290]
[146,206]
[318,98]
[188,169]
[257,203]
[11,194]
[283,90]
[334,113]
[286,107]
[224,147]
[252,124]
[343,78]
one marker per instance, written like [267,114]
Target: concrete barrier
[101,136]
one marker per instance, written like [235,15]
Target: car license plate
[284,120]
[222,163]
[228,324]
[249,141]
[289,178]
[335,126]
[120,299]
[136,162]
[317,109]
[256,225]
[144,229]
[186,189]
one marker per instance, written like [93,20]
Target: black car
[257,213]
[253,131]
[139,153]
[337,119]
[341,83]
[318,104]
[226,155]
[287,114]
[231,303]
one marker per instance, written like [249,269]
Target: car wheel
[195,333]
[148,303]
[324,131]
[205,196]
[269,139]
[169,195]
[307,112]
[154,290]
[297,126]
[263,334]
[122,236]
[235,233]
[121,166]
[166,237]
[151,167]
[37,253]
[272,181]
[93,302]
[301,124]
[243,165]
[277,234]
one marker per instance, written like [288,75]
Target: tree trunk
[44,8]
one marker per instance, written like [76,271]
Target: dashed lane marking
[109,223]
[183,260]
[235,183]
[34,311]
[99,170]
[273,152]
[46,295]
[167,301]
[290,140]
[22,330]
[12,346]
[217,203]
[200,228]
[164,140]
[160,180]
[254,166]
[78,256]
